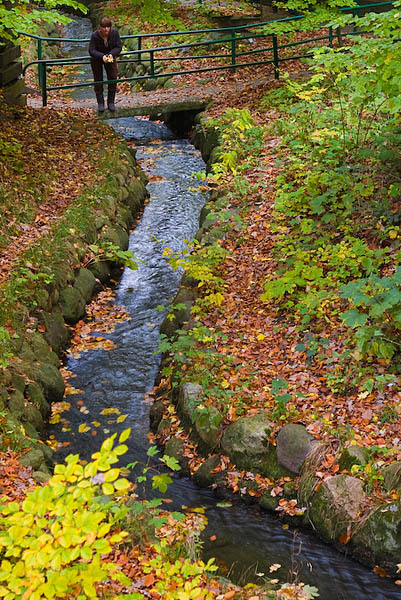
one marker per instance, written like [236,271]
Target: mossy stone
[52,383]
[26,352]
[353,455]
[156,414]
[16,404]
[204,476]
[101,270]
[41,477]
[63,275]
[123,238]
[246,443]
[125,217]
[34,392]
[379,538]
[18,383]
[268,502]
[72,304]
[48,453]
[336,505]
[294,444]
[30,431]
[56,332]
[163,426]
[85,282]
[123,193]
[188,398]
[392,476]
[42,298]
[175,448]
[34,458]
[33,415]
[109,205]
[109,235]
[89,231]
[41,349]
[290,490]
[3,397]
[207,426]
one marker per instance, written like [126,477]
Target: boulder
[72,304]
[156,414]
[294,444]
[34,458]
[85,282]
[35,394]
[16,404]
[336,505]
[188,398]
[33,415]
[41,477]
[51,381]
[379,538]
[207,425]
[204,476]
[175,447]
[41,349]
[101,270]
[246,443]
[353,455]
[392,476]
[56,333]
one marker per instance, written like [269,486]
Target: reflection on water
[247,540]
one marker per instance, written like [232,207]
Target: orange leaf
[149,579]
[381,572]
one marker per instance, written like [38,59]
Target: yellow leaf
[124,435]
[121,418]
[260,336]
[83,428]
[122,484]
[108,489]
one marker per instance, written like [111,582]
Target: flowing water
[248,541]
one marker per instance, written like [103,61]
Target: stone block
[9,54]
[9,73]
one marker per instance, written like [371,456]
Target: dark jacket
[97,47]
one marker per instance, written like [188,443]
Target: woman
[104,47]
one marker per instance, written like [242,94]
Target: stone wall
[12,84]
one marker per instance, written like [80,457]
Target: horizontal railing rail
[236,57]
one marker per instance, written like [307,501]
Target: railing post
[152,63]
[40,65]
[233,50]
[355,14]
[275,56]
[44,88]
[139,48]
[330,37]
[339,36]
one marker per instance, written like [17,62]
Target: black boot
[110,100]
[100,101]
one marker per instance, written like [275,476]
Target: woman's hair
[105,22]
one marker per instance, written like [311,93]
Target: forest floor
[261,340]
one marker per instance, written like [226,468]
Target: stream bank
[100,217]
[240,454]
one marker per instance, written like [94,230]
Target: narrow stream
[247,541]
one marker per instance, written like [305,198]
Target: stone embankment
[32,382]
[339,508]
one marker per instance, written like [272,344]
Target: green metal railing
[231,51]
